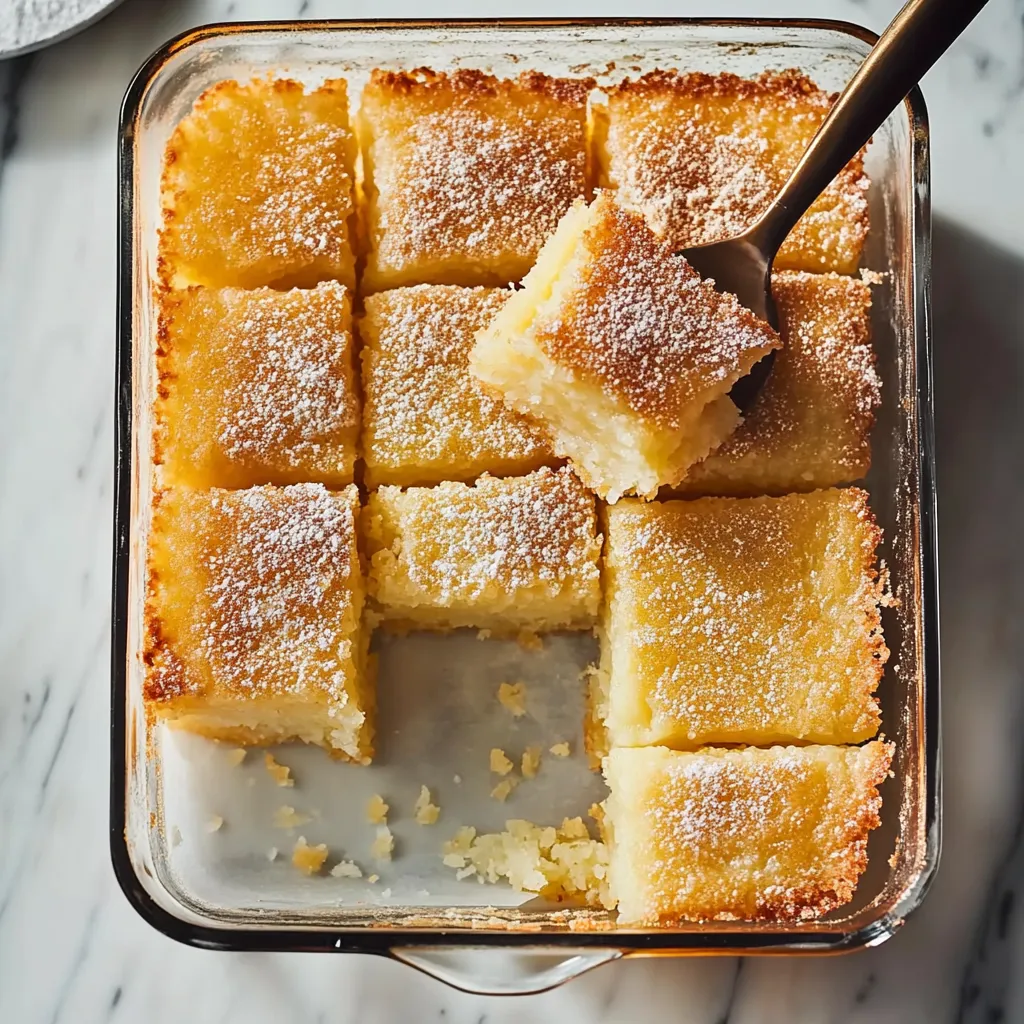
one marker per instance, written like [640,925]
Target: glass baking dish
[221,890]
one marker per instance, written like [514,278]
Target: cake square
[621,351]
[810,424]
[253,618]
[257,387]
[465,174]
[739,620]
[258,187]
[426,418]
[702,156]
[740,835]
[504,554]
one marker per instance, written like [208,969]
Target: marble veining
[71,949]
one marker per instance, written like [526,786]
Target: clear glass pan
[223,892]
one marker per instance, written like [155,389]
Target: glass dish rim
[625,941]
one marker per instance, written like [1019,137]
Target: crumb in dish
[503,789]
[426,812]
[253,618]
[752,834]
[280,773]
[702,156]
[810,424]
[530,763]
[562,863]
[377,810]
[346,869]
[309,859]
[512,697]
[258,187]
[499,762]
[560,749]
[739,620]
[502,554]
[286,817]
[425,418]
[257,387]
[619,348]
[383,845]
[466,174]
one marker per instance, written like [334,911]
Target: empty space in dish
[438,711]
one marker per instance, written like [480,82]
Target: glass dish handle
[501,972]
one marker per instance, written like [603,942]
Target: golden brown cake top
[259,379]
[639,321]
[421,400]
[469,167]
[251,592]
[737,603]
[814,414]
[777,834]
[702,155]
[258,184]
[469,82]
[517,533]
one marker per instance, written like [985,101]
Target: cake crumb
[383,846]
[500,764]
[280,773]
[236,757]
[502,789]
[288,817]
[530,762]
[562,862]
[214,823]
[309,859]
[483,634]
[385,894]
[427,812]
[530,640]
[373,879]
[457,779]
[561,749]
[512,697]
[346,869]
[596,813]
[176,836]
[377,810]
[272,854]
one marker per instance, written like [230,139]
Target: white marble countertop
[72,950]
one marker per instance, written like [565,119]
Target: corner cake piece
[465,174]
[253,618]
[810,424]
[778,834]
[258,187]
[257,387]
[702,156]
[505,554]
[621,351]
[426,419]
[739,620]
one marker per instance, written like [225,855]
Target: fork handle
[915,39]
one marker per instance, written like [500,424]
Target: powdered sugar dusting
[500,538]
[640,322]
[258,184]
[750,620]
[275,605]
[266,383]
[471,169]
[810,424]
[745,834]
[702,156]
[426,416]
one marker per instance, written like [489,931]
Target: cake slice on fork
[621,351]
